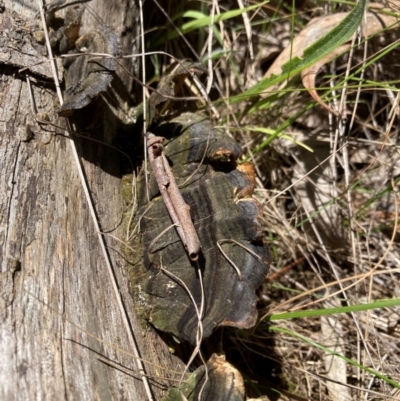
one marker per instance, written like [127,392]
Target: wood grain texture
[20,49]
[61,332]
[222,210]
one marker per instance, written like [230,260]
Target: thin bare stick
[210,79]
[178,209]
[183,211]
[94,215]
[144,96]
[247,25]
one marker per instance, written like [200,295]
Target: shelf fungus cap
[234,258]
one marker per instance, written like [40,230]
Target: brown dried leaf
[373,23]
[224,383]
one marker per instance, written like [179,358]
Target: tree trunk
[61,331]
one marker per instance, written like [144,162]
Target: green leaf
[322,47]
[386,303]
[200,20]
[274,133]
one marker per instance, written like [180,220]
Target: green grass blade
[322,47]
[386,303]
[272,132]
[200,20]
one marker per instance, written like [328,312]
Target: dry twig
[177,208]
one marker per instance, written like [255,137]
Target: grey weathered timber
[61,332]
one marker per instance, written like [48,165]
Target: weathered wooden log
[61,331]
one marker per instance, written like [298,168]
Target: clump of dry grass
[330,195]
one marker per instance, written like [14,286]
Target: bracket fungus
[233,260]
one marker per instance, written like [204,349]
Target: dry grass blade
[247,26]
[230,261]
[210,46]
